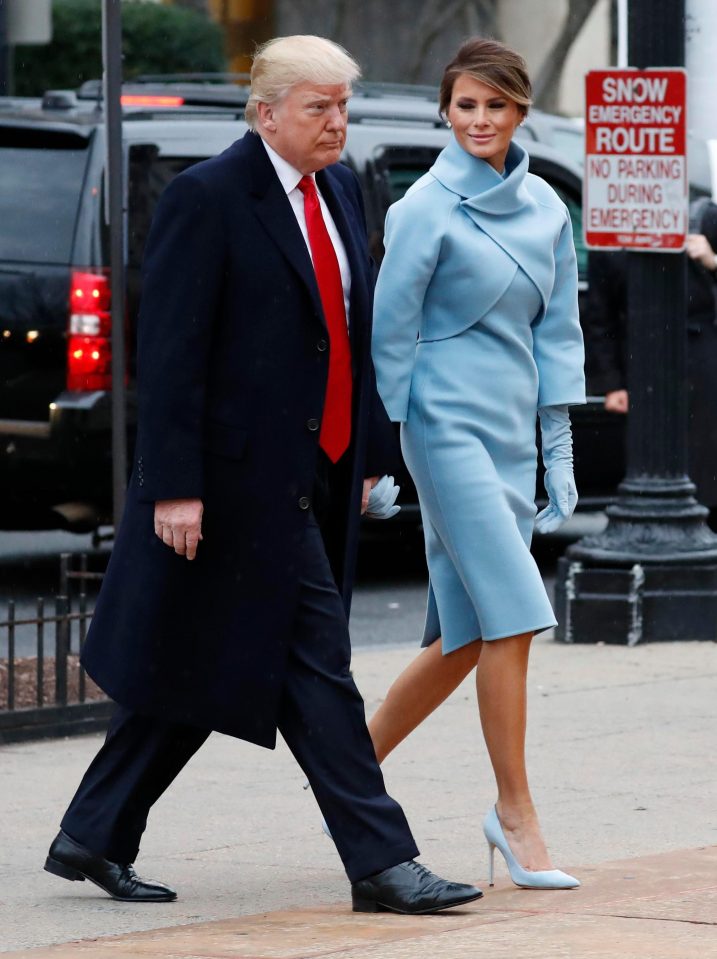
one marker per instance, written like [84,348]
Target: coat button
[321,346]
[312,424]
[304,502]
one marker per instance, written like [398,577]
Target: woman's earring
[448,124]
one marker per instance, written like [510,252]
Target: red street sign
[635,185]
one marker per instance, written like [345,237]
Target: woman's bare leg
[501,681]
[420,688]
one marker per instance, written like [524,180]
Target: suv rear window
[41,175]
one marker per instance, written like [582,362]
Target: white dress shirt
[289,179]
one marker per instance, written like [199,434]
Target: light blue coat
[476,326]
[441,275]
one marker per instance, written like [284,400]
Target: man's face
[307,126]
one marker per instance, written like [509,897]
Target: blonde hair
[492,63]
[281,63]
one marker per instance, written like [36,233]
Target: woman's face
[483,120]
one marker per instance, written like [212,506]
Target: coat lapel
[350,232]
[273,210]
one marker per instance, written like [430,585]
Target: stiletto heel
[525,878]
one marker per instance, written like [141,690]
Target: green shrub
[155,39]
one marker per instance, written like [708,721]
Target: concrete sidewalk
[648,908]
[621,748]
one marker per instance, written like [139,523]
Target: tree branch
[434,18]
[546,84]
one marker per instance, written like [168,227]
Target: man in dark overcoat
[226,598]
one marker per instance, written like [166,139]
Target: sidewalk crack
[688,922]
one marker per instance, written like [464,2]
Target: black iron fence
[43,689]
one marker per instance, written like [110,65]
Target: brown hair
[492,63]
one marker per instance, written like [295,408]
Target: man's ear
[265,113]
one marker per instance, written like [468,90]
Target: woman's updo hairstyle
[492,63]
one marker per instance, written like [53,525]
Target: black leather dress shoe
[72,861]
[410,889]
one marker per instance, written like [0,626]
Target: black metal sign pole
[652,574]
[4,52]
[114,210]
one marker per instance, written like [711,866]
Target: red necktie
[336,422]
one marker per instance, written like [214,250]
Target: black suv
[55,381]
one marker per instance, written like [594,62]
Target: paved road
[29,568]
[389,600]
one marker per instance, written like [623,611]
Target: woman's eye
[497,106]
[463,105]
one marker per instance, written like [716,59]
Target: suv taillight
[89,354]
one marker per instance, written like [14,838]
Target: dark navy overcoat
[232,367]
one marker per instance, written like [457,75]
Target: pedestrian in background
[605,323]
[475,332]
[260,437]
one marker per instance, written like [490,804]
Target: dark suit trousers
[321,719]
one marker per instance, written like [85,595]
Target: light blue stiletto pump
[525,878]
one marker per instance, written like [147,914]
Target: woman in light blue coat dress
[475,332]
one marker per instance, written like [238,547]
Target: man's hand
[178,523]
[368,485]
[617,401]
[698,248]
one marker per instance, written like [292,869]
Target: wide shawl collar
[504,209]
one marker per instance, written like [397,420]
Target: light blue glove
[557,444]
[382,498]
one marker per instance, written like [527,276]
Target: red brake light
[89,354]
[149,100]
[90,294]
[89,363]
